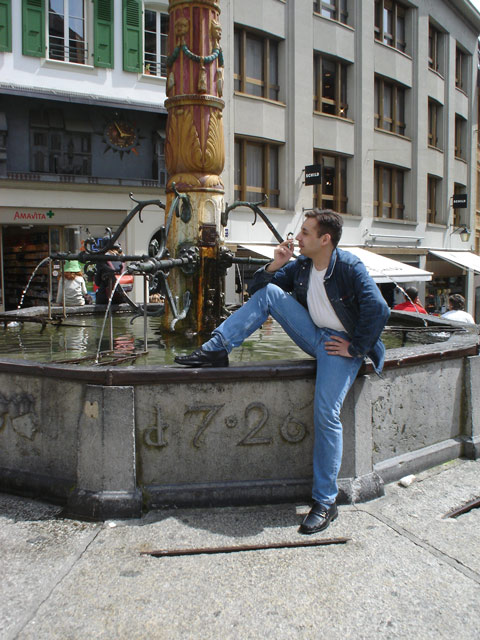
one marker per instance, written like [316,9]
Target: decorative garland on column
[180,31]
[216,53]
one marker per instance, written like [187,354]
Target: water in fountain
[107,314]
[80,340]
[50,344]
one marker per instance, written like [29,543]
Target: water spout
[107,313]
[22,297]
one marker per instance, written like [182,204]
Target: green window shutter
[33,21]
[103,33]
[5,25]
[132,35]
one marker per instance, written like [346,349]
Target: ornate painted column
[195,157]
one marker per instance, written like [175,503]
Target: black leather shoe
[201,358]
[318,518]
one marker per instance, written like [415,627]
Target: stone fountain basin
[109,442]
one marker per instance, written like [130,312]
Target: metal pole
[162,553]
[145,318]
[111,328]
[49,294]
[63,290]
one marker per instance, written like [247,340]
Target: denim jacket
[354,296]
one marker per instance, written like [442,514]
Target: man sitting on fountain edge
[333,310]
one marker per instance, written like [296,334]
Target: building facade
[380,96]
[82,124]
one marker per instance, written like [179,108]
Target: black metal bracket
[254,206]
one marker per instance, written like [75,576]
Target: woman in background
[456,305]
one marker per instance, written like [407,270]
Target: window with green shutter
[33,23]
[103,33]
[5,25]
[132,35]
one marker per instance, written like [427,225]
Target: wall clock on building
[122,136]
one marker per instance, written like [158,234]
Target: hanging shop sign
[460,201]
[313,174]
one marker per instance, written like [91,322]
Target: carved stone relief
[17,412]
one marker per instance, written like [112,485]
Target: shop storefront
[454,272]
[28,236]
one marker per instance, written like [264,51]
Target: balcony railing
[25,176]
[153,67]
[77,54]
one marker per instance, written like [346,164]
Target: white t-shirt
[459,316]
[319,306]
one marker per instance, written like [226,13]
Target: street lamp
[464,232]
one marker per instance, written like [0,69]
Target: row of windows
[391,29]
[390,116]
[256,74]
[256,67]
[256,170]
[330,90]
[330,96]
[256,174]
[64,30]
[145,42]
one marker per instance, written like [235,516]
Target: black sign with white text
[313,174]
[460,201]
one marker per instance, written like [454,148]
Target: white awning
[381,269]
[384,269]
[265,250]
[463,259]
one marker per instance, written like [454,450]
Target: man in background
[411,302]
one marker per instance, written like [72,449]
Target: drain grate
[473,504]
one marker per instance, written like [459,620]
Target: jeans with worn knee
[335,374]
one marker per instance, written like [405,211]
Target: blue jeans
[335,374]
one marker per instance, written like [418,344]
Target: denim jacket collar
[331,266]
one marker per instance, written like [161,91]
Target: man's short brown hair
[328,221]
